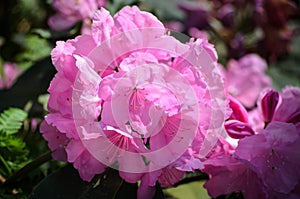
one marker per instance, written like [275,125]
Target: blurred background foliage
[26,39]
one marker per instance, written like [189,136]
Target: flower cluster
[265,159]
[132,97]
[10,73]
[245,78]
[71,12]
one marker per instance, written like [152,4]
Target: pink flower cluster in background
[70,12]
[10,73]
[265,163]
[127,89]
[245,79]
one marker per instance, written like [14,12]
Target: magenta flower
[197,16]
[71,12]
[275,157]
[266,160]
[226,15]
[10,73]
[288,109]
[132,97]
[246,78]
[228,174]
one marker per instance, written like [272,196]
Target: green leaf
[13,154]
[11,120]
[193,190]
[35,48]
[66,183]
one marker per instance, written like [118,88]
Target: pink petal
[102,26]
[238,111]
[56,141]
[268,104]
[237,129]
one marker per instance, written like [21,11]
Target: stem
[5,164]
[29,167]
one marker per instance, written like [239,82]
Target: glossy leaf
[29,86]
[66,183]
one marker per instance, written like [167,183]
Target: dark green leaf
[29,85]
[159,194]
[66,183]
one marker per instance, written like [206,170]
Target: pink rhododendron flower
[71,12]
[132,97]
[246,78]
[10,73]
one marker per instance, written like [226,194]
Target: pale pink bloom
[10,73]
[69,12]
[63,59]
[245,79]
[118,93]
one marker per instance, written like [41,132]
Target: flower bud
[237,129]
[268,104]
[238,111]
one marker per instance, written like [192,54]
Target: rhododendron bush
[140,99]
